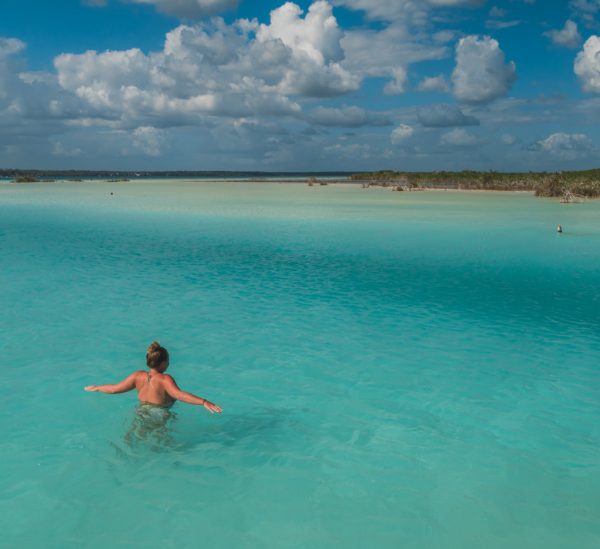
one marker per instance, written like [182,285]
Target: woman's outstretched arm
[176,393]
[126,385]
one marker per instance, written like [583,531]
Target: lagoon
[396,369]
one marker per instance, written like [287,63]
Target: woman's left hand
[212,408]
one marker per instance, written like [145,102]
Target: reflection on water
[151,426]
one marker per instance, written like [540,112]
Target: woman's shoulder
[165,378]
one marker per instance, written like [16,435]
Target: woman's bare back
[151,388]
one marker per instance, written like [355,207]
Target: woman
[155,388]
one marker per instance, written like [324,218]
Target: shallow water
[396,369]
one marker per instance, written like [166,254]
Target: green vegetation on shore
[25,179]
[567,185]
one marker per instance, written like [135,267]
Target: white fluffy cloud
[567,37]
[215,69]
[434,83]
[396,48]
[567,146]
[587,65]
[481,74]
[32,107]
[397,85]
[401,133]
[317,35]
[248,95]
[10,46]
[314,45]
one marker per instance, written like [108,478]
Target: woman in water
[155,388]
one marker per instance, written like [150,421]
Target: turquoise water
[395,369]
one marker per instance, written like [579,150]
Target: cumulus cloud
[26,96]
[404,39]
[567,37]
[398,83]
[481,74]
[317,35]
[458,138]
[566,146]
[347,117]
[247,95]
[32,107]
[444,116]
[210,75]
[407,35]
[396,46]
[10,46]
[433,83]
[587,65]
[314,45]
[215,69]
[401,133]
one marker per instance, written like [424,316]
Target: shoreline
[568,186]
[565,195]
[349,183]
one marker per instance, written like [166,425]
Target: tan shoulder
[166,378]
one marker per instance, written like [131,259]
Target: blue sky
[325,85]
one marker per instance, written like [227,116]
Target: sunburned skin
[156,388]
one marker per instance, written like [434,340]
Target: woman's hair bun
[154,346]
[156,355]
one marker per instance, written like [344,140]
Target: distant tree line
[552,184]
[79,174]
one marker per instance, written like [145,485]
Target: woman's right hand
[91,388]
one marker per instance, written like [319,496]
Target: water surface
[396,369]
